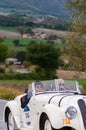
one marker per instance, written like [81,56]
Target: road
[2,125]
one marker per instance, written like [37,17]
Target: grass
[25,42]
[26,82]
[23,82]
[10,44]
[59,45]
[82,82]
[10,29]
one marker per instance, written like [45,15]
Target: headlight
[71,112]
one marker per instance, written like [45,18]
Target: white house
[8,60]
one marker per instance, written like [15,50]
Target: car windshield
[56,86]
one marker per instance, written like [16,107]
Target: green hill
[42,7]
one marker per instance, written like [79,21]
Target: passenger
[61,84]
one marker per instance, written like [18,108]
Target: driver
[27,97]
[38,87]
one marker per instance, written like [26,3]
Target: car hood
[60,99]
[67,99]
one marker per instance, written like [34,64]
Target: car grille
[82,107]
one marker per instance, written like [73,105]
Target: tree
[29,30]
[21,55]
[3,52]
[45,56]
[16,42]
[1,40]
[76,40]
[30,23]
[32,42]
[21,30]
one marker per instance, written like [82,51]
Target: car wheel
[45,124]
[10,123]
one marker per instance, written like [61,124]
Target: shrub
[18,76]
[39,74]
[8,93]
[2,70]
[26,64]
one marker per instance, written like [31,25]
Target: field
[67,74]
[9,29]
[9,34]
[10,44]
[24,42]
[4,33]
[51,32]
[20,85]
[9,89]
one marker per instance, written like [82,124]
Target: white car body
[53,109]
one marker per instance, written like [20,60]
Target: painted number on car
[66,121]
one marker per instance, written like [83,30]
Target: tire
[45,124]
[10,123]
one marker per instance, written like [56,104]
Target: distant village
[36,36]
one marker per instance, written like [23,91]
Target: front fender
[58,118]
[54,114]
[14,108]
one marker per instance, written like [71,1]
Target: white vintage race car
[55,106]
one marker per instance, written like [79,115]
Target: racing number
[66,121]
